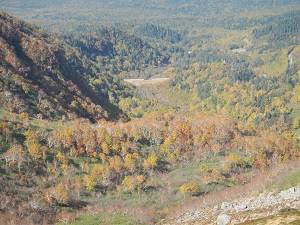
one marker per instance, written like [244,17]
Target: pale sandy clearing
[239,50]
[143,82]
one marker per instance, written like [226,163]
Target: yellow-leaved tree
[61,194]
[191,189]
[150,162]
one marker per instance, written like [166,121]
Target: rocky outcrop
[240,210]
[288,198]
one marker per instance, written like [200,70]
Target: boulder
[223,219]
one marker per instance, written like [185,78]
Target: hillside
[115,52]
[42,75]
[259,85]
[270,198]
[82,80]
[149,112]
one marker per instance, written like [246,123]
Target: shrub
[190,188]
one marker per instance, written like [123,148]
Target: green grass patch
[275,63]
[288,210]
[106,219]
[287,182]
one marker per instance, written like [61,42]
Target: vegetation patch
[287,182]
[103,219]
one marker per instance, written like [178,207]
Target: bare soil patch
[143,82]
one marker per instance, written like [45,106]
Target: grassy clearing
[275,63]
[289,181]
[296,110]
[103,219]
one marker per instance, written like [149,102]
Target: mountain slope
[115,51]
[42,75]
[224,118]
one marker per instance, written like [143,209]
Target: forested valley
[81,145]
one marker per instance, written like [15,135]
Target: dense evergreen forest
[79,144]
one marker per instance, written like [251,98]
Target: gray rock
[241,206]
[216,207]
[223,219]
[224,205]
[179,220]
